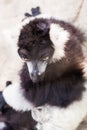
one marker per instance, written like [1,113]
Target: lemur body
[52,85]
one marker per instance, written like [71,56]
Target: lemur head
[45,41]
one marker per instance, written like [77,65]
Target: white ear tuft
[59,37]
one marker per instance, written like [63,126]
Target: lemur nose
[35,73]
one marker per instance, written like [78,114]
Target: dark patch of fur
[8,83]
[2,101]
[63,82]
[17,120]
[34,12]
[59,92]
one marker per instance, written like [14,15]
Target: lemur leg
[55,118]
[13,96]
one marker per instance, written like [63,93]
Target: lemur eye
[46,58]
[24,59]
[23,54]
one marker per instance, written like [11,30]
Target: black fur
[60,92]
[17,120]
[8,83]
[2,102]
[63,82]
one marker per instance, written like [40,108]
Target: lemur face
[35,48]
[37,61]
[45,41]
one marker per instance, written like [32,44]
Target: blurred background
[11,14]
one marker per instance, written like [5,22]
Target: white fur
[59,37]
[14,96]
[50,117]
[2,125]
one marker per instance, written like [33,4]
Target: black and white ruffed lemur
[53,83]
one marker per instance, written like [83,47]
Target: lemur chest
[60,93]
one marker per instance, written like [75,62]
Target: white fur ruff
[14,96]
[59,37]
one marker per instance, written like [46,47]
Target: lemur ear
[43,26]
